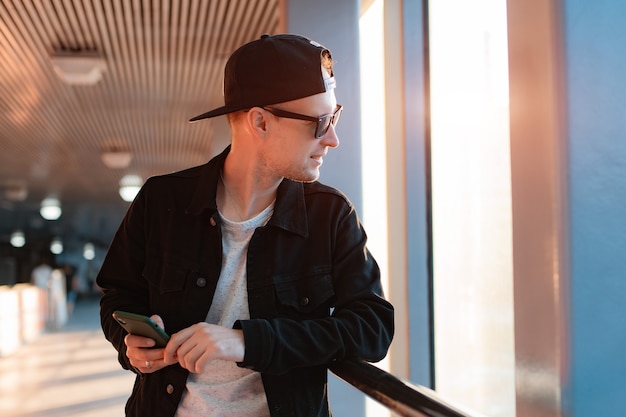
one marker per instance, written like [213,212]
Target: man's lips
[318,158]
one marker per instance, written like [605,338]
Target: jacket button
[169,389]
[201,282]
[212,221]
[304,301]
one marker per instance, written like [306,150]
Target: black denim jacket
[314,289]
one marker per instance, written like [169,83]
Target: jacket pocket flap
[166,277]
[306,294]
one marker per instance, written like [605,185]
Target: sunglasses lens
[324,123]
[322,126]
[336,116]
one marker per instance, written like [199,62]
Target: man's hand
[141,352]
[196,345]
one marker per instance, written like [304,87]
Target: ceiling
[162,64]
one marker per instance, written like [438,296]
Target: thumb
[158,320]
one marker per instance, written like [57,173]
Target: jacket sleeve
[361,324]
[120,277]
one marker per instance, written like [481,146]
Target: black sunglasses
[323,122]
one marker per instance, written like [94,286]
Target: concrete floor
[70,372]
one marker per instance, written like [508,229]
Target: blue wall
[335,24]
[595,40]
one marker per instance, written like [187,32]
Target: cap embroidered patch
[329,83]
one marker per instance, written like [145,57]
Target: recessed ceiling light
[56,246]
[78,68]
[50,208]
[15,190]
[18,239]
[130,186]
[89,251]
[116,158]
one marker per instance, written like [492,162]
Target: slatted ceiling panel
[20,97]
[32,24]
[123,90]
[164,64]
[63,26]
[197,18]
[199,69]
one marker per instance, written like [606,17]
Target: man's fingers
[171,350]
[132,340]
[158,320]
[206,341]
[148,366]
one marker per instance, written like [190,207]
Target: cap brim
[216,112]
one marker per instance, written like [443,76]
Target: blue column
[335,24]
[595,45]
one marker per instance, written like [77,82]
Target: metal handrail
[401,397]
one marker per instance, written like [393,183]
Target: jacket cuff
[259,344]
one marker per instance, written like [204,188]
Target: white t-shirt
[225,389]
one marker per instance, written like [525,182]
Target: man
[258,272]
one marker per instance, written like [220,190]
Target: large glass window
[471,203]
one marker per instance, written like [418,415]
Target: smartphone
[141,325]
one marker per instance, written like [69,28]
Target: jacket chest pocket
[165,277]
[166,282]
[305,297]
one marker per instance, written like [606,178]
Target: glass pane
[473,278]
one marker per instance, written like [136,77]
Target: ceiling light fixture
[130,186]
[89,251]
[116,158]
[50,208]
[18,239]
[78,68]
[15,190]
[56,246]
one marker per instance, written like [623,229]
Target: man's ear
[257,121]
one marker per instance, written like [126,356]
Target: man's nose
[330,138]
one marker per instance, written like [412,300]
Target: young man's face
[293,151]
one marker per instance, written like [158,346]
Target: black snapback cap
[270,70]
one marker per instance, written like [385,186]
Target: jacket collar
[289,209]
[206,187]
